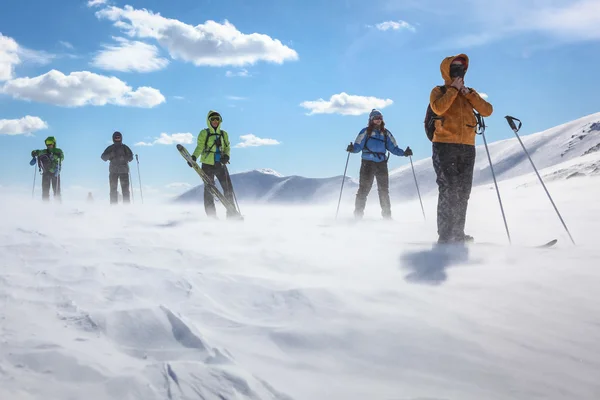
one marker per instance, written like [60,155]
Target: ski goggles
[215,118]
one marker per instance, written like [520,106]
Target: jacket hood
[211,113]
[50,139]
[445,67]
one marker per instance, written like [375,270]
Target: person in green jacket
[213,148]
[50,161]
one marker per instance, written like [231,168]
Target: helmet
[50,140]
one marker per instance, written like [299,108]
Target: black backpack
[430,118]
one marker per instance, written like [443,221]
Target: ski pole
[139,177]
[342,188]
[131,186]
[481,125]
[232,191]
[511,122]
[418,192]
[34,175]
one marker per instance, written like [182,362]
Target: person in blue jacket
[374,141]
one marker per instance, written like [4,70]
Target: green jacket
[51,163]
[206,143]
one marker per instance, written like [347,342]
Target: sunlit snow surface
[159,302]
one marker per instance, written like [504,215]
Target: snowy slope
[548,148]
[159,302]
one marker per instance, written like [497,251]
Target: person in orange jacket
[454,146]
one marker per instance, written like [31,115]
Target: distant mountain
[548,148]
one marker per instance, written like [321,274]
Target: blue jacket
[376,146]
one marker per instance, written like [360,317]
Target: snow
[157,301]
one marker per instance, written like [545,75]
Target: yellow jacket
[458,122]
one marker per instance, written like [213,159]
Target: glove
[225,159]
[350,148]
[408,152]
[33,153]
[189,163]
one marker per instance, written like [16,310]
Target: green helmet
[50,140]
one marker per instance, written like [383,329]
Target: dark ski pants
[369,171]
[453,165]
[113,179]
[219,171]
[49,179]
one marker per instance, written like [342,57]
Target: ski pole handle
[511,122]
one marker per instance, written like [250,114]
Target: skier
[119,155]
[213,146]
[374,141]
[50,161]
[454,146]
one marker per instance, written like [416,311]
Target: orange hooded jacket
[458,122]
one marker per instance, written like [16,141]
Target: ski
[229,206]
[540,246]
[546,245]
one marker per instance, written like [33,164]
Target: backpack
[430,118]
[217,141]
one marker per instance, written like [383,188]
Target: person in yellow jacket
[454,146]
[213,148]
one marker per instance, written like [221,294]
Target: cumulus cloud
[12,54]
[483,95]
[25,125]
[9,57]
[345,104]
[251,140]
[164,138]
[128,55]
[208,44]
[395,25]
[95,3]
[81,88]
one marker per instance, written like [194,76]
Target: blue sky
[294,80]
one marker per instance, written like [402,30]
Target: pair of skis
[232,210]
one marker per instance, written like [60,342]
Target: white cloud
[345,104]
[66,44]
[12,54]
[130,56]
[395,25]
[9,57]
[81,88]
[483,95]
[178,185]
[25,125]
[235,98]
[179,97]
[182,138]
[211,43]
[94,3]
[251,140]
[243,73]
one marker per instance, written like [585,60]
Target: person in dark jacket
[119,155]
[374,141]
